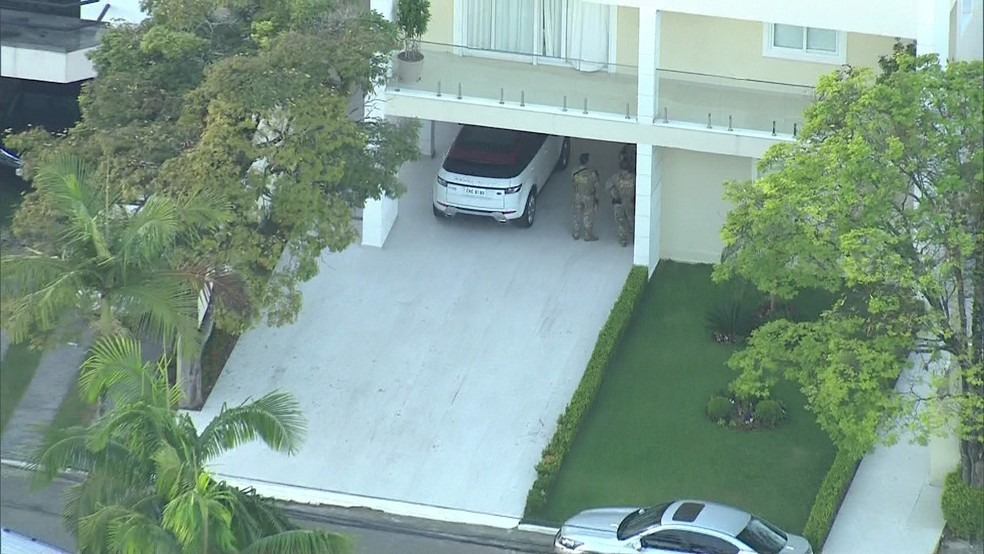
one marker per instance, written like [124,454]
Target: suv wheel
[529,213]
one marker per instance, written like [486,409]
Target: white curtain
[478,23]
[515,21]
[552,28]
[587,35]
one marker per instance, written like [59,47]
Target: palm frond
[255,516]
[66,183]
[151,231]
[115,365]
[275,418]
[36,291]
[60,450]
[94,529]
[162,307]
[199,518]
[301,541]
[135,533]
[111,360]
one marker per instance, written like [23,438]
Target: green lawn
[646,439]
[16,370]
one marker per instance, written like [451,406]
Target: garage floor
[432,371]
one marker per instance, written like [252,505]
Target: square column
[933,28]
[378,215]
[648,81]
[649,191]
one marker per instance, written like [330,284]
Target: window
[967,6]
[804,43]
[674,541]
[576,32]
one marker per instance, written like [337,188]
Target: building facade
[703,87]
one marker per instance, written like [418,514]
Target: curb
[354,512]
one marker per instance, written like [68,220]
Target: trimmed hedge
[829,498]
[963,507]
[568,422]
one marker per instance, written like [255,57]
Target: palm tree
[112,262]
[146,487]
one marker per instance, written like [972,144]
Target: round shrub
[963,507]
[719,408]
[769,413]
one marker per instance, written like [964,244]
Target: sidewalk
[893,504]
[56,371]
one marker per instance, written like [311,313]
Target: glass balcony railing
[54,33]
[609,90]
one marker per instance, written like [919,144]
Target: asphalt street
[37,513]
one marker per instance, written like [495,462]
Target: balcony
[44,47]
[531,88]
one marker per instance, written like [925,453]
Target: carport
[432,370]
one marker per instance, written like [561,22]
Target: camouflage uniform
[621,186]
[586,181]
[628,154]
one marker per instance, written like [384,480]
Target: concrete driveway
[432,371]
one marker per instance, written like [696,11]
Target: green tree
[254,100]
[880,200]
[114,263]
[146,486]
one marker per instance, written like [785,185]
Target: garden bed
[647,439]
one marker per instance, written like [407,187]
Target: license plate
[474,192]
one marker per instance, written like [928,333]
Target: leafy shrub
[769,413]
[730,322]
[568,422]
[963,507]
[832,490]
[719,408]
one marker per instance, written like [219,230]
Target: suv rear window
[491,152]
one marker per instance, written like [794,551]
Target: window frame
[770,50]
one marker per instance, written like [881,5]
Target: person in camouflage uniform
[628,154]
[621,187]
[585,181]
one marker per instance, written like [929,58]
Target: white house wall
[693,209]
[45,65]
[890,18]
[733,48]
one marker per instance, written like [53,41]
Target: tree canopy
[256,101]
[146,486]
[881,201]
[115,264]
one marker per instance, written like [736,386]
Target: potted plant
[412,17]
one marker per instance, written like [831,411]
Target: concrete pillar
[933,28]
[378,216]
[648,80]
[649,190]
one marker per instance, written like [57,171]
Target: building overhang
[44,47]
[573,123]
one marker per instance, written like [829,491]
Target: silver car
[674,527]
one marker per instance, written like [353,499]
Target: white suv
[497,173]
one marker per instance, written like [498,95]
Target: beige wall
[627,40]
[441,26]
[693,210]
[733,48]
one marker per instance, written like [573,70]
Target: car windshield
[763,537]
[640,520]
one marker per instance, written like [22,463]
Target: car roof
[706,515]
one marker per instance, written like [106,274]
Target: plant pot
[410,66]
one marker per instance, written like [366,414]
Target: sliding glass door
[554,31]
